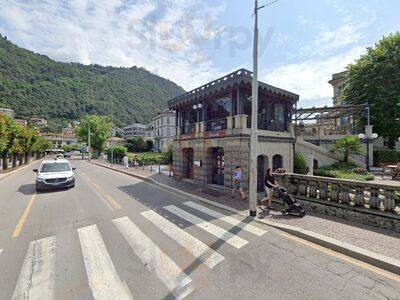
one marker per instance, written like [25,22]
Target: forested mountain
[34,85]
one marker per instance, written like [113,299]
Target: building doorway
[262,166]
[187,161]
[218,165]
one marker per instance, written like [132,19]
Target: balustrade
[353,193]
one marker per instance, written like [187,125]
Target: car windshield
[55,167]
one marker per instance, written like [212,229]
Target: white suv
[56,173]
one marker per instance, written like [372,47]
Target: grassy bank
[344,171]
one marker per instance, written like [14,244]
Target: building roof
[162,114]
[338,77]
[237,77]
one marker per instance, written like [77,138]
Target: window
[279,113]
[168,121]
[168,131]
[162,121]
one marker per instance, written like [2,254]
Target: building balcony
[233,126]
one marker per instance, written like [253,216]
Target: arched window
[277,162]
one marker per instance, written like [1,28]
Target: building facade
[135,130]
[164,130]
[38,122]
[337,82]
[213,130]
[8,112]
[59,140]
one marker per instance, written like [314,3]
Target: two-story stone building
[213,130]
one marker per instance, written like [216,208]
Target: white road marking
[155,259]
[228,219]
[219,232]
[36,278]
[1,250]
[103,278]
[197,248]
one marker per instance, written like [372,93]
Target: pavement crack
[31,271]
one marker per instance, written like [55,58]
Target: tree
[3,132]
[13,130]
[375,78]
[100,131]
[149,145]
[348,144]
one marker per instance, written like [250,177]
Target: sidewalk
[379,241]
[10,171]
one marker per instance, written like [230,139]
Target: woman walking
[270,184]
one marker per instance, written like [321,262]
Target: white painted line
[197,248]
[220,233]
[36,278]
[1,250]
[103,278]
[155,259]
[228,219]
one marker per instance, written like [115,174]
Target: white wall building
[59,140]
[135,130]
[164,130]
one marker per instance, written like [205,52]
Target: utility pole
[112,130]
[89,140]
[254,117]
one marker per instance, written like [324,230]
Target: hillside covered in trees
[36,86]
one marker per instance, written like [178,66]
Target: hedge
[386,156]
[300,165]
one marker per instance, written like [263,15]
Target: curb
[19,169]
[386,263]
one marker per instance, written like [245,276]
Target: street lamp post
[89,140]
[368,138]
[112,130]
[254,117]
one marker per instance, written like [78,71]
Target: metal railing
[266,124]
[217,124]
[188,129]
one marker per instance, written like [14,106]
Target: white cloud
[327,42]
[162,36]
[310,78]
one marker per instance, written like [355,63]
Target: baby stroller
[292,207]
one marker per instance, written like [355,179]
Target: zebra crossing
[37,275]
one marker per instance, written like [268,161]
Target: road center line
[22,220]
[110,200]
[345,258]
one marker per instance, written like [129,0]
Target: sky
[192,42]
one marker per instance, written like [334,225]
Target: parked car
[59,155]
[67,154]
[56,173]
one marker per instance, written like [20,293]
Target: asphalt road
[116,237]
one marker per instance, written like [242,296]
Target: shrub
[360,170]
[300,166]
[118,152]
[386,156]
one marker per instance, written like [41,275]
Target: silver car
[56,173]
